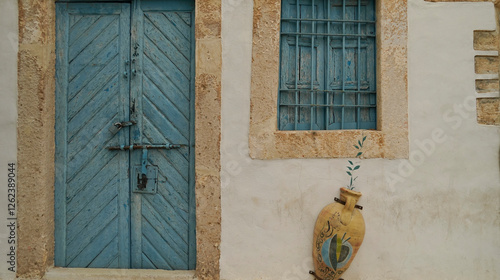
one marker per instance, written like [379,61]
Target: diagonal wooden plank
[85,85]
[86,233]
[80,158]
[103,168]
[94,55]
[182,21]
[169,192]
[170,33]
[166,106]
[106,256]
[161,231]
[178,74]
[74,19]
[98,113]
[165,86]
[104,45]
[91,216]
[158,208]
[153,255]
[90,191]
[96,246]
[146,262]
[89,35]
[80,174]
[164,123]
[165,251]
[79,27]
[156,42]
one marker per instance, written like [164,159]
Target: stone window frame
[36,142]
[390,140]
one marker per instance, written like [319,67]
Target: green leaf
[350,168]
[356,168]
[364,138]
[350,162]
[360,153]
[356,147]
[359,142]
[349,173]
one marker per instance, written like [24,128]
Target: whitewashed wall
[8,117]
[435,216]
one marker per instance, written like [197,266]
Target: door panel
[92,203]
[163,222]
[120,62]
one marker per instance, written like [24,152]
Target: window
[327,65]
[266,140]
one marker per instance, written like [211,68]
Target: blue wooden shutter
[92,207]
[163,224]
[327,65]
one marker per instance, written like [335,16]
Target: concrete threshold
[57,273]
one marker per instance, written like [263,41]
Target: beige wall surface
[434,215]
[8,117]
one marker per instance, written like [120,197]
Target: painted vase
[338,234]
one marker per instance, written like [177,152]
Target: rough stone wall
[36,87]
[208,119]
[487,108]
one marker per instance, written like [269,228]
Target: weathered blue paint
[118,62]
[327,68]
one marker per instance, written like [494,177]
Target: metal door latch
[142,180]
[121,125]
[147,175]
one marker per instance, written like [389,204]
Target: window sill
[326,144]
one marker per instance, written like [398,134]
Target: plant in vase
[340,228]
[351,168]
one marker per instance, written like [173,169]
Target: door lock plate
[145,183]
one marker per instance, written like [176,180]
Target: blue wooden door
[125,135]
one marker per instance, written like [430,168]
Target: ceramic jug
[338,234]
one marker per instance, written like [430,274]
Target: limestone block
[485,40]
[488,111]
[486,85]
[486,64]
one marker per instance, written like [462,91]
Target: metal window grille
[327,65]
